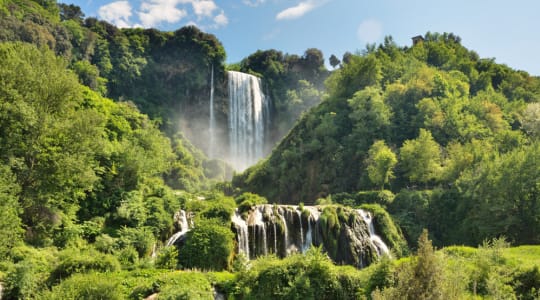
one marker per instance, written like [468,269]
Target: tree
[371,116]
[380,163]
[334,61]
[421,279]
[10,223]
[208,246]
[421,158]
[531,119]
[70,12]
[428,271]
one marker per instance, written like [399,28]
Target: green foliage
[422,278]
[209,246]
[421,158]
[10,223]
[387,229]
[140,238]
[247,200]
[380,163]
[309,276]
[86,286]
[185,286]
[71,261]
[29,273]
[167,258]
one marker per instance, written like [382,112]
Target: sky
[505,30]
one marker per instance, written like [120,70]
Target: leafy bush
[167,258]
[309,276]
[30,272]
[383,198]
[73,261]
[93,286]
[247,200]
[142,239]
[105,243]
[209,246]
[185,285]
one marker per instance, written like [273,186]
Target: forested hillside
[166,74]
[444,139]
[105,193]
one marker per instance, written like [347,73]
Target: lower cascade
[181,220]
[347,235]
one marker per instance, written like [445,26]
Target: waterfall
[181,218]
[248,115]
[285,233]
[301,228]
[279,229]
[241,233]
[375,239]
[212,117]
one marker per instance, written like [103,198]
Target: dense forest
[98,157]
[423,130]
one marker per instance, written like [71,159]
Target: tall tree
[421,158]
[380,163]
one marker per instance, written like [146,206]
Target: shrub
[92,286]
[142,239]
[105,243]
[208,246]
[167,258]
[247,200]
[77,261]
[185,285]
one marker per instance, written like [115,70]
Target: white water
[376,240]
[248,115]
[242,233]
[285,232]
[212,132]
[184,227]
[313,217]
[299,213]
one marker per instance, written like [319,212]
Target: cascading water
[284,229]
[212,130]
[242,235]
[248,117]
[375,239]
[181,218]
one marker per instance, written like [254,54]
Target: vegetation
[448,133]
[429,136]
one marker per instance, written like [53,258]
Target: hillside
[106,191]
[451,136]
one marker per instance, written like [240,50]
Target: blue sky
[505,30]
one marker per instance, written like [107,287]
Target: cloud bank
[152,13]
[117,13]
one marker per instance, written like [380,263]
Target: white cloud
[296,11]
[370,31]
[204,8]
[221,19]
[253,3]
[154,12]
[117,13]
[299,10]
